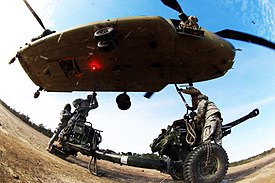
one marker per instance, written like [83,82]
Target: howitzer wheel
[178,155]
[206,163]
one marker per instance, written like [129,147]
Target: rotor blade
[232,34]
[34,14]
[172,4]
[148,95]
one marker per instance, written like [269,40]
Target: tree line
[26,119]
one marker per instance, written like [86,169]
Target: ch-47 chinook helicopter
[132,54]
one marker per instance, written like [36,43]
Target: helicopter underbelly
[201,59]
[148,54]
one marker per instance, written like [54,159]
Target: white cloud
[241,110]
[261,12]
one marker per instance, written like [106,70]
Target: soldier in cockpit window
[191,23]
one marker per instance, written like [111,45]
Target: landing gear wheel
[206,163]
[105,45]
[123,101]
[106,38]
[104,34]
[36,94]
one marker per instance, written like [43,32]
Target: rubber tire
[104,34]
[105,45]
[192,170]
[36,94]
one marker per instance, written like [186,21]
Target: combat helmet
[191,91]
[77,102]
[193,19]
[67,107]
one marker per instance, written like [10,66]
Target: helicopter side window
[70,68]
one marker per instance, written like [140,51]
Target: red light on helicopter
[94,65]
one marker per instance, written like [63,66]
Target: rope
[191,134]
[208,153]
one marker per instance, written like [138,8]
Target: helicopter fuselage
[147,53]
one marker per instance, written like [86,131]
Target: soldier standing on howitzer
[208,115]
[82,108]
[65,116]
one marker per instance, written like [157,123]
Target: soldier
[82,108]
[207,114]
[191,22]
[65,116]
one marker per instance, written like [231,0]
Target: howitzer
[181,160]
[226,129]
[159,164]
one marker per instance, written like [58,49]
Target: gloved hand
[94,94]
[189,108]
[179,89]
[193,114]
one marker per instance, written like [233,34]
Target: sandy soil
[23,158]
[262,171]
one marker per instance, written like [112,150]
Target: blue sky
[250,84]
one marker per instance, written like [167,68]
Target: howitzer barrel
[226,129]
[252,114]
[136,161]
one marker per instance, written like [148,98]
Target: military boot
[58,143]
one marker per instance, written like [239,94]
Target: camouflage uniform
[65,116]
[82,108]
[207,114]
[191,23]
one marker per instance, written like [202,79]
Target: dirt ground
[23,158]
